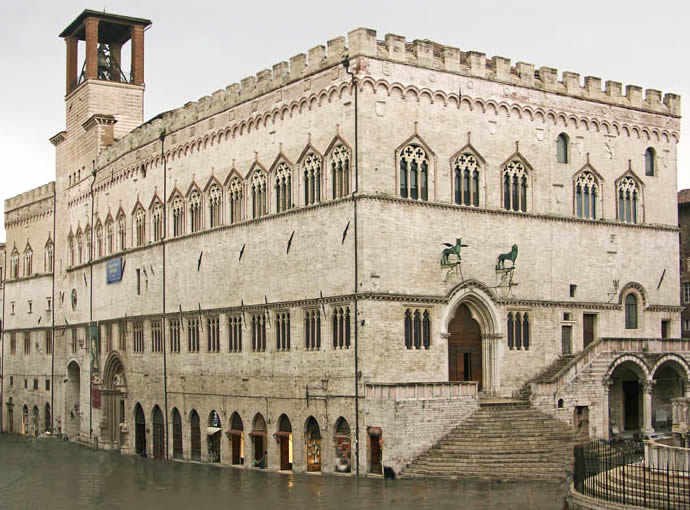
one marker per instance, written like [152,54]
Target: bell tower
[103,101]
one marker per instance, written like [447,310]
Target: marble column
[647,387]
[605,408]
[491,380]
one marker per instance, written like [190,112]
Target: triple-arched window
[340,171]
[99,239]
[413,163]
[628,198]
[312,330]
[121,231]
[178,215]
[417,329]
[49,260]
[140,226]
[80,246]
[515,186]
[195,211]
[282,331]
[466,179]
[517,330]
[586,195]
[258,190]
[28,260]
[14,258]
[215,203]
[283,187]
[110,234]
[341,327]
[312,178]
[235,195]
[157,221]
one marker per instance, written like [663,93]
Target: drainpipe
[52,314]
[93,355]
[355,84]
[163,325]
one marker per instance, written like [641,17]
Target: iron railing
[616,472]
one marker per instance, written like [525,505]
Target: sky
[195,48]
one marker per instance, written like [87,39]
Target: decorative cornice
[58,138]
[98,118]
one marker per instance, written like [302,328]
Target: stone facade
[306,207]
[684,262]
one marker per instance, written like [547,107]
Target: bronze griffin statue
[452,250]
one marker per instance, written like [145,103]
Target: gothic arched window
[215,201]
[195,211]
[235,193]
[466,179]
[283,187]
[312,179]
[586,195]
[140,226]
[99,238]
[515,186]
[157,221]
[80,247]
[312,330]
[341,328]
[178,215]
[340,171]
[413,163]
[122,231]
[628,196]
[28,261]
[110,235]
[49,256]
[258,188]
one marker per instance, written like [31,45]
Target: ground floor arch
[258,434]
[284,437]
[72,388]
[158,433]
[177,434]
[472,336]
[213,435]
[35,421]
[312,433]
[25,420]
[343,446]
[10,417]
[629,397]
[669,380]
[139,431]
[114,401]
[236,434]
[195,435]
[47,418]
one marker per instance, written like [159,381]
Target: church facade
[327,266]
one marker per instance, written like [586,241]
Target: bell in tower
[104,34]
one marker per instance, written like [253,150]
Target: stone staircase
[546,375]
[503,440]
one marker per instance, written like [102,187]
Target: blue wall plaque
[113,270]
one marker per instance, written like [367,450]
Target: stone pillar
[605,409]
[490,375]
[137,77]
[72,62]
[91,26]
[647,387]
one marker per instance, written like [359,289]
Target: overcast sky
[196,47]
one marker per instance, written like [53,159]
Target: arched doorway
[195,435]
[158,433]
[626,403]
[72,415]
[213,434]
[236,434]
[343,450]
[47,418]
[284,437]
[139,431]
[177,434]
[114,394]
[10,416]
[313,440]
[258,434]
[25,420]
[34,421]
[464,347]
[668,384]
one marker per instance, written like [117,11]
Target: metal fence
[616,471]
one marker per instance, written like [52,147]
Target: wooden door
[314,455]
[587,328]
[236,450]
[631,405]
[464,348]
[285,453]
[375,454]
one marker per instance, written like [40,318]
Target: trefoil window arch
[515,186]
[178,215]
[99,239]
[586,195]
[283,187]
[157,221]
[110,235]
[628,197]
[28,261]
[121,232]
[340,171]
[80,247]
[312,179]
[466,179]
[259,198]
[235,193]
[413,163]
[215,202]
[195,211]
[49,256]
[140,226]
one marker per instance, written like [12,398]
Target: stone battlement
[394,48]
[29,197]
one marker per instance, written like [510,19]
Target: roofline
[116,18]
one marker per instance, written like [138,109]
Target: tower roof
[113,28]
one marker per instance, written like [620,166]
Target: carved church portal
[72,399]
[464,348]
[114,394]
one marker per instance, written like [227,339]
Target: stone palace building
[301,271]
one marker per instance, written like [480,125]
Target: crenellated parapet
[30,197]
[395,49]
[31,205]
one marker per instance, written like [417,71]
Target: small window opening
[573,289]
[560,403]
[138,282]
[567,316]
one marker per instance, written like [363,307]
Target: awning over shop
[235,432]
[213,430]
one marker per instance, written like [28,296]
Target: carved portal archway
[114,394]
[471,330]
